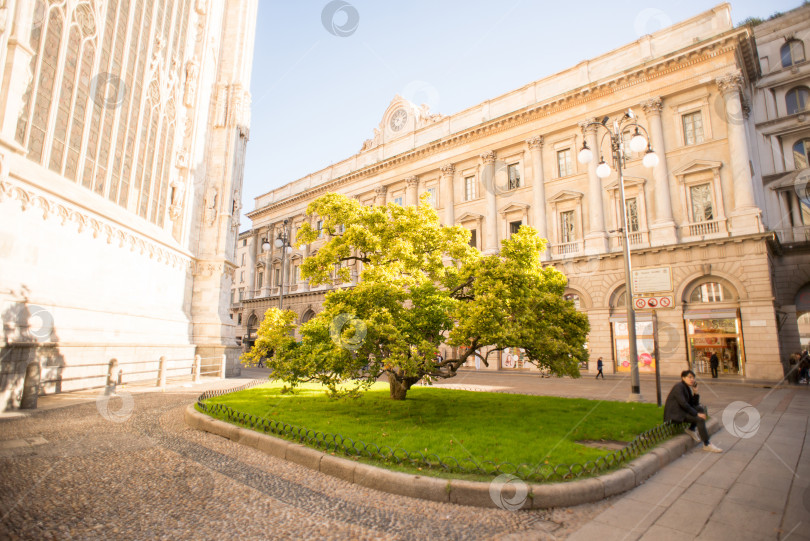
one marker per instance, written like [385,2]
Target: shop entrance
[644,344]
[719,336]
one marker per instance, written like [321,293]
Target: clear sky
[325,71]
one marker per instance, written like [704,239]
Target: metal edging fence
[527,472]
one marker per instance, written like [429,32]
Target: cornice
[644,73]
[66,213]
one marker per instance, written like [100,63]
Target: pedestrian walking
[714,362]
[683,406]
[599,366]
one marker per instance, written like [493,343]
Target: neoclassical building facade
[123,126]
[702,255]
[781,100]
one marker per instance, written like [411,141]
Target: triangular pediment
[513,207]
[697,166]
[565,195]
[469,217]
[628,181]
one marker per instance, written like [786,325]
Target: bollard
[110,389]
[196,369]
[162,373]
[222,368]
[30,387]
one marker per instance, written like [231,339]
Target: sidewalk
[758,489]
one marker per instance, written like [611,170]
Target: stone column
[745,218]
[17,71]
[448,195]
[253,245]
[379,198]
[795,209]
[268,262]
[596,240]
[662,229]
[411,192]
[488,181]
[538,188]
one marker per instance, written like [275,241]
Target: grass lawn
[497,427]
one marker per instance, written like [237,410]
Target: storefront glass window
[715,336]
[644,345]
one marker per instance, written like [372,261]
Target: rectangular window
[693,128]
[239,318]
[233,296]
[474,238]
[469,188]
[244,242]
[432,194]
[514,176]
[702,203]
[243,260]
[295,274]
[631,207]
[564,165]
[242,276]
[319,227]
[567,228]
[260,281]
[514,227]
[278,277]
[398,200]
[241,294]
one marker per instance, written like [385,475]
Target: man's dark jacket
[680,403]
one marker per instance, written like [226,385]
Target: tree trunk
[398,388]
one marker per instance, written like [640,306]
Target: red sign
[651,303]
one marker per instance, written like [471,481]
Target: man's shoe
[712,448]
[694,434]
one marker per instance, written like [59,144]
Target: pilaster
[491,217]
[663,230]
[745,217]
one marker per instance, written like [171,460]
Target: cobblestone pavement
[86,466]
[94,471]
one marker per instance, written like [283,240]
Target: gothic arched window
[100,107]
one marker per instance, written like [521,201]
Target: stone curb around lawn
[474,493]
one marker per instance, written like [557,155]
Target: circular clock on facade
[398,119]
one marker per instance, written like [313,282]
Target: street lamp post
[638,143]
[283,242]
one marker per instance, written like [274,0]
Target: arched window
[309,314]
[801,151]
[253,321]
[792,53]
[573,297]
[710,292]
[797,99]
[107,121]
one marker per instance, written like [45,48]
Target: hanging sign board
[657,280]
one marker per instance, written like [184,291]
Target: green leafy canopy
[420,285]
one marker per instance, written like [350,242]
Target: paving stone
[661,533]
[721,531]
[704,494]
[767,499]
[656,492]
[685,516]
[746,517]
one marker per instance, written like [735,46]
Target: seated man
[683,406]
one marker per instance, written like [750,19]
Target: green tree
[421,285]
